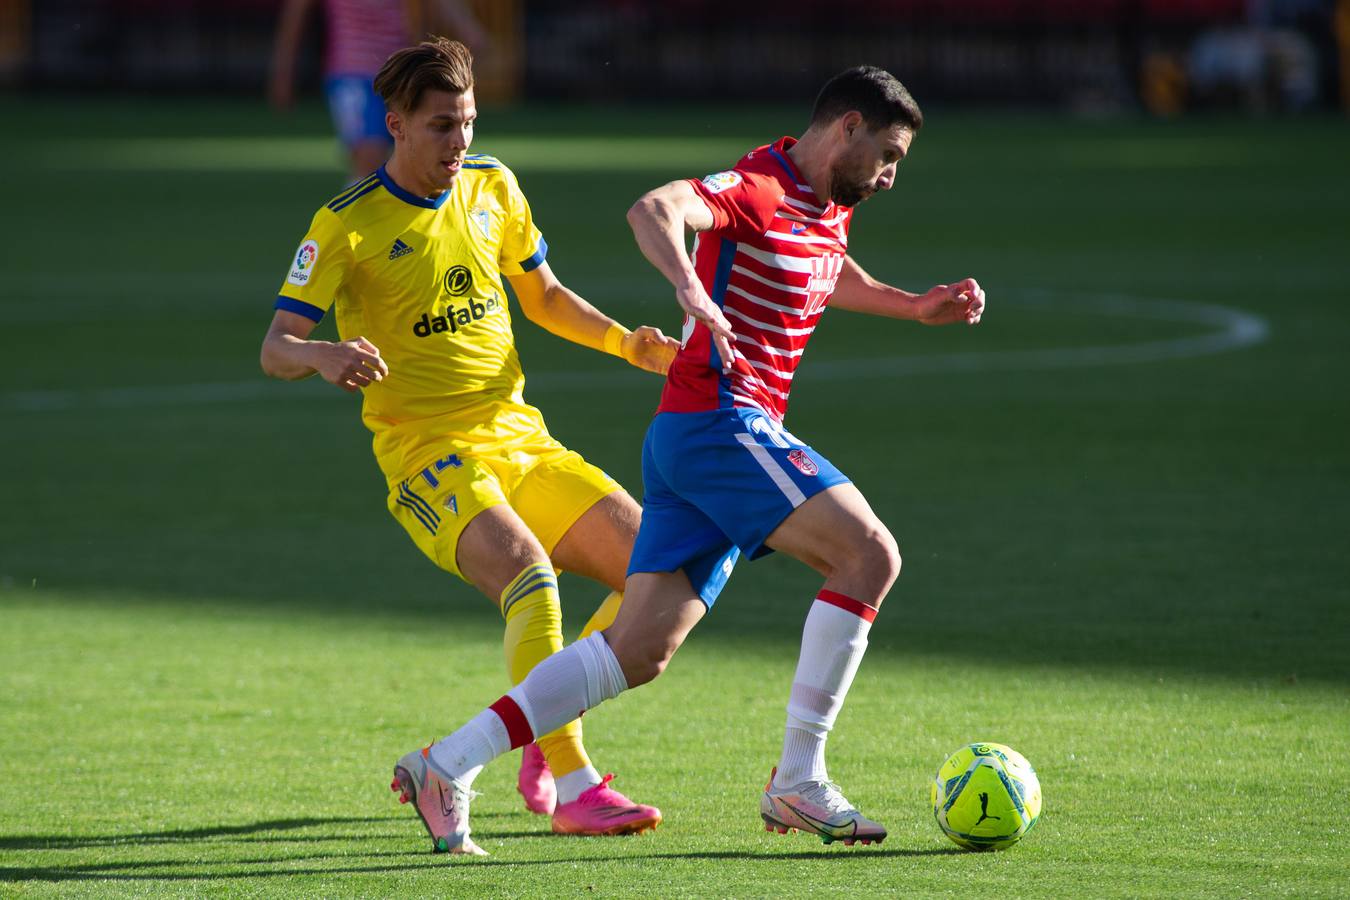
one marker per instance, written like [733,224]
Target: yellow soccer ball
[986,797]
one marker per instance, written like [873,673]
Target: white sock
[803,758]
[556,691]
[576,678]
[833,642]
[571,785]
[464,753]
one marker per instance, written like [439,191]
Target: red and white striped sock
[833,642]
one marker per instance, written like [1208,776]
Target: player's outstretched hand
[647,348]
[351,365]
[945,304]
[696,303]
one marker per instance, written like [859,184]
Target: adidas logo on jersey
[399,249]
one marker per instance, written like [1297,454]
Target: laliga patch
[303,266]
[721,181]
[805,464]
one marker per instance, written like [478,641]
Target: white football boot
[441,801]
[816,807]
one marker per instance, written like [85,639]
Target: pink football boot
[535,782]
[603,810]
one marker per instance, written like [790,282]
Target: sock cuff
[532,578]
[848,604]
[513,717]
[604,674]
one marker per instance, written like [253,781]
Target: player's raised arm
[943,304]
[549,303]
[658,220]
[288,355]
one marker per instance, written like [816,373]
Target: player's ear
[850,122]
[394,122]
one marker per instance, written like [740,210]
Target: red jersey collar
[779,151]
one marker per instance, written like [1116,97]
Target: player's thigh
[658,612]
[832,530]
[440,504]
[495,547]
[600,542]
[557,493]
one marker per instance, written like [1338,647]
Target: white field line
[1231,329]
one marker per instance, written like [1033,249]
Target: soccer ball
[986,797]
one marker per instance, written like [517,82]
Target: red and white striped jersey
[362,34]
[770,261]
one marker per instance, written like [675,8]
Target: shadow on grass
[252,832]
[125,871]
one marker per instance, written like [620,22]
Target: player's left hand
[647,348]
[944,304]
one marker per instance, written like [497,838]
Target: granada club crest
[824,276]
[804,463]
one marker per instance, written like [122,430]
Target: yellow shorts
[547,485]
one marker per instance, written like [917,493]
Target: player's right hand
[696,303]
[352,365]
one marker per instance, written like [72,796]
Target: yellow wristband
[614,339]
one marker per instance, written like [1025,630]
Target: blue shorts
[716,485]
[358,112]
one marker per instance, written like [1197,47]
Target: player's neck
[400,173]
[812,160]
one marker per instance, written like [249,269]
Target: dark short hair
[439,64]
[876,93]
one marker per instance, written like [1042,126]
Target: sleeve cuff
[299,307]
[720,218]
[529,265]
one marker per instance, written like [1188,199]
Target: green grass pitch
[1122,502]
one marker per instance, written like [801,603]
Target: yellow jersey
[421,279]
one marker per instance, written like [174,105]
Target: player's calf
[659,611]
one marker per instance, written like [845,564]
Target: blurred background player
[412,259]
[722,476]
[359,36]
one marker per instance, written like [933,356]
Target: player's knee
[881,559]
[643,658]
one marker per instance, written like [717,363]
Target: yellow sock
[533,616]
[604,615]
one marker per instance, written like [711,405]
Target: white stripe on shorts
[774,470]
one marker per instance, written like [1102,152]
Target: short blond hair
[439,64]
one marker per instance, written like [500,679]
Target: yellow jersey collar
[413,199]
